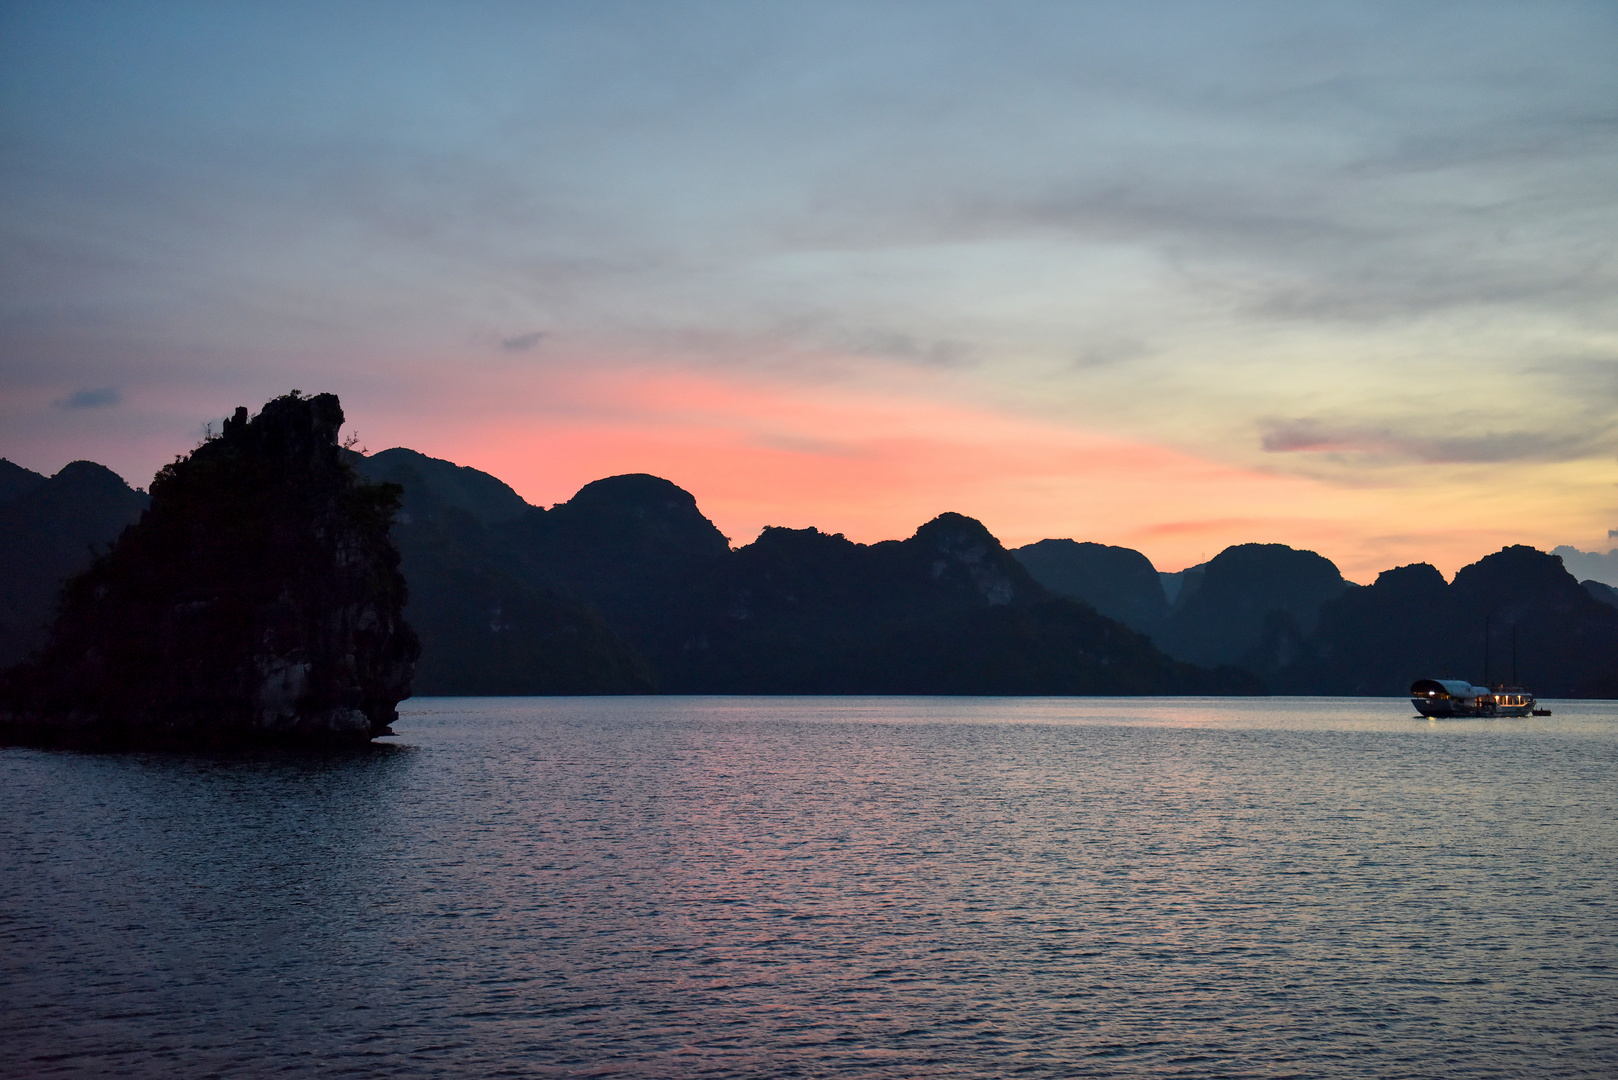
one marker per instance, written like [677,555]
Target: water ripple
[826,887]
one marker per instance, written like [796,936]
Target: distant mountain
[1245,596]
[1561,640]
[947,611]
[800,611]
[487,624]
[627,586]
[49,530]
[461,486]
[1590,564]
[1289,618]
[16,480]
[1601,591]
[1119,582]
[1181,581]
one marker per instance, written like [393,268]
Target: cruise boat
[1457,697]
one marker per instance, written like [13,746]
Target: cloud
[1183,226]
[895,345]
[1612,534]
[803,444]
[1314,437]
[1590,565]
[1324,240]
[1103,353]
[522,342]
[101,398]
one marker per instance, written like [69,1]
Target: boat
[1513,701]
[1457,697]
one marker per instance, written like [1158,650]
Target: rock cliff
[1119,582]
[1244,600]
[257,599]
[487,626]
[1515,615]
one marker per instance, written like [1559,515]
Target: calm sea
[886,887]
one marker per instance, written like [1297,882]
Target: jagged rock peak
[257,598]
[291,428]
[956,534]
[1415,576]
[1513,570]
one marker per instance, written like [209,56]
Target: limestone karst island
[257,599]
[278,587]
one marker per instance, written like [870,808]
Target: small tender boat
[1457,697]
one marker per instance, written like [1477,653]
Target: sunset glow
[875,466]
[1336,279]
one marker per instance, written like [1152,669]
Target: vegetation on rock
[257,599]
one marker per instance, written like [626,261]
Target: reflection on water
[811,886]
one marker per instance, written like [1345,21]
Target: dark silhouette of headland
[257,599]
[261,597]
[628,588]
[1290,619]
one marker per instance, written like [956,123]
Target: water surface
[828,886]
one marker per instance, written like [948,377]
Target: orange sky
[874,464]
[1252,273]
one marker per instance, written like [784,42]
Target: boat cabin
[1457,697]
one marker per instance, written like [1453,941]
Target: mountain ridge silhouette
[628,588]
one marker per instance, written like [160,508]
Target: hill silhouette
[460,486]
[796,611]
[258,598]
[627,588]
[1248,592]
[948,610]
[1287,617]
[16,480]
[635,548]
[50,529]
[487,625]
[1119,582]
[1411,624]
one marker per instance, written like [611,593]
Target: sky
[1171,276]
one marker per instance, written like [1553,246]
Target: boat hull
[1445,707]
[1443,698]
